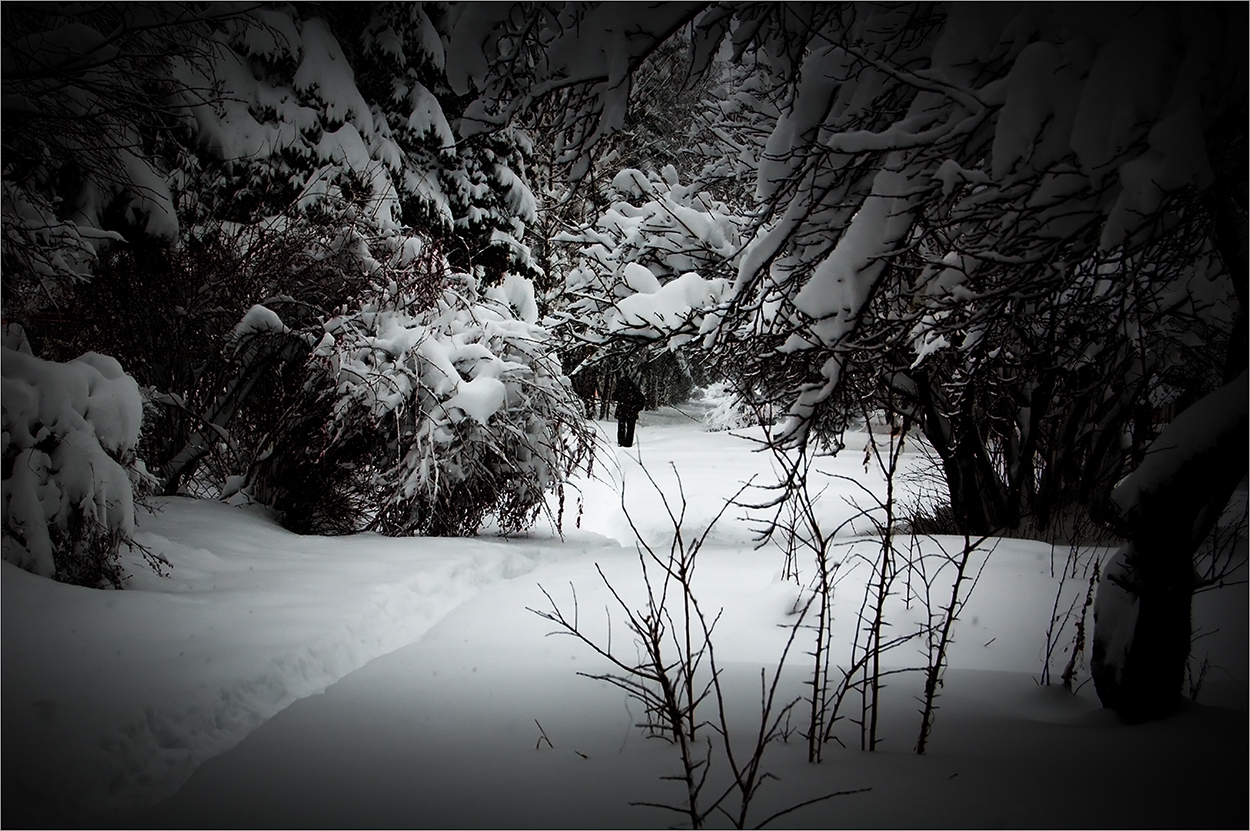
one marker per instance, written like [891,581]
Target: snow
[151,196]
[479,399]
[472,24]
[1177,158]
[665,308]
[133,690]
[640,279]
[1041,93]
[632,183]
[325,70]
[360,681]
[276,35]
[427,116]
[1186,446]
[648,269]
[950,174]
[1127,85]
[65,427]
[258,320]
[841,284]
[517,294]
[431,43]
[30,220]
[1116,608]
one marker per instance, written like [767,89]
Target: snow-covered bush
[652,271]
[730,411]
[428,414]
[283,148]
[169,314]
[70,431]
[654,267]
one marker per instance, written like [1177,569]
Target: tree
[638,291]
[88,105]
[1168,506]
[938,177]
[967,164]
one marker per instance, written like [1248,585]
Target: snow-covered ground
[279,680]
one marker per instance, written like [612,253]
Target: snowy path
[434,673]
[111,699]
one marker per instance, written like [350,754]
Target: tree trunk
[974,488]
[978,496]
[1168,505]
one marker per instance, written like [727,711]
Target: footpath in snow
[112,699]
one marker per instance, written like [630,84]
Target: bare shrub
[676,678]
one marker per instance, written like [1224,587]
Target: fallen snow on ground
[114,698]
[112,701]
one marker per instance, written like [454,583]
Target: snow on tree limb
[1186,450]
[1046,150]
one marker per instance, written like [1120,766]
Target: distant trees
[666,109]
[645,277]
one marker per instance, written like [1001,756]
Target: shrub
[70,431]
[426,412]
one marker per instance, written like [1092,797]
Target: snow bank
[113,699]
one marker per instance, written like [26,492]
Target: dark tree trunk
[1142,625]
[1168,505]
[975,490]
[978,496]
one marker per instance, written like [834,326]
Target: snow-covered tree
[328,101]
[1039,409]
[666,110]
[132,121]
[653,265]
[648,277]
[976,163]
[243,162]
